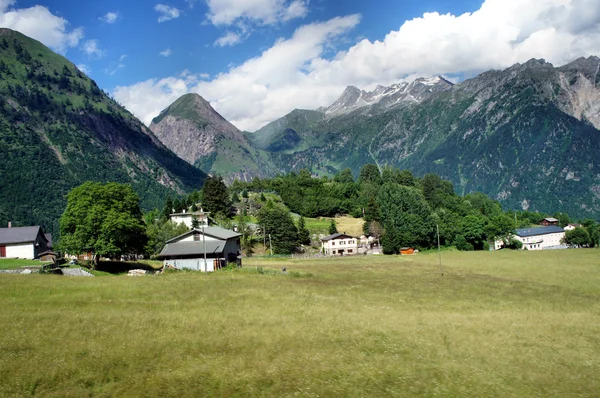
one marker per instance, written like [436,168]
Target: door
[2,251]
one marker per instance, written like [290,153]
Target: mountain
[527,135]
[58,129]
[197,133]
[384,98]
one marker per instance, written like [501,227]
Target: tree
[235,198]
[406,217]
[246,231]
[369,173]
[159,232]
[344,177]
[303,233]
[577,237]
[332,227]
[277,222]
[473,230]
[104,219]
[215,197]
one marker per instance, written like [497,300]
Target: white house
[187,251]
[23,242]
[339,244]
[540,238]
[571,227]
[186,218]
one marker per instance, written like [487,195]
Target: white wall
[541,242]
[196,264]
[334,245]
[187,220]
[21,250]
[191,238]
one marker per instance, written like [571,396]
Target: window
[342,242]
[332,243]
[196,237]
[349,250]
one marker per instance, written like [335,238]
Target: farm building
[23,242]
[187,251]
[339,244]
[540,238]
[549,221]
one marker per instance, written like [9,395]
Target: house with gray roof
[339,244]
[541,238]
[219,246]
[23,242]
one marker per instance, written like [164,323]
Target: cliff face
[197,133]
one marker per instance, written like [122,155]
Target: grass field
[503,324]
[14,263]
[347,224]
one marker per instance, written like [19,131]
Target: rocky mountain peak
[384,98]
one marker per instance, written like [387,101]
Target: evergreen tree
[303,233]
[406,217]
[262,197]
[333,227]
[235,198]
[245,194]
[215,197]
[369,173]
[277,222]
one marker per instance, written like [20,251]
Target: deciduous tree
[104,219]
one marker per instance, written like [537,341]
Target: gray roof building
[19,235]
[535,231]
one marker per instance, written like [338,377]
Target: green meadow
[495,324]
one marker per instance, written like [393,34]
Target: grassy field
[347,224]
[14,263]
[504,324]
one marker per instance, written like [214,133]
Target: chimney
[9,224]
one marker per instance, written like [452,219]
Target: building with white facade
[187,251]
[339,245]
[540,238]
[23,242]
[187,218]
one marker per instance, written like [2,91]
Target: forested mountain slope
[58,129]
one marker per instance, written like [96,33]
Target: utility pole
[204,243]
[437,227]
[270,244]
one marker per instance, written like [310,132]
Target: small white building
[187,251]
[571,227]
[339,244]
[187,218]
[23,242]
[540,238]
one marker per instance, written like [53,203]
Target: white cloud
[84,68]
[294,72]
[191,3]
[263,12]
[167,13]
[165,53]
[39,23]
[90,47]
[230,39]
[110,17]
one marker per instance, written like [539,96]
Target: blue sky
[256,60]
